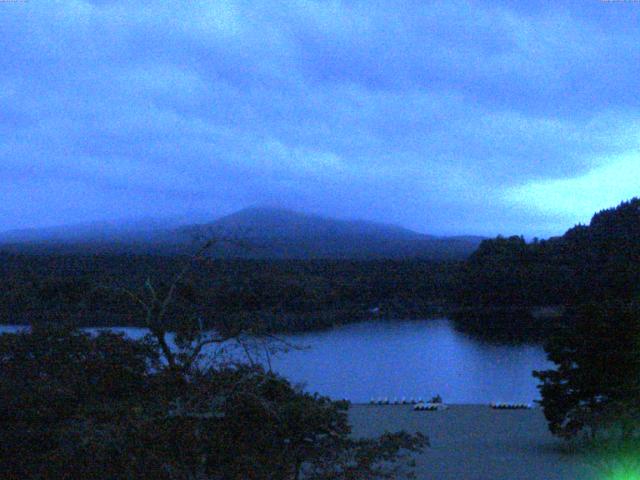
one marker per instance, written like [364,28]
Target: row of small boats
[419,404]
[510,406]
[395,401]
[429,407]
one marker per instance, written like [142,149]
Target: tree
[57,386]
[76,405]
[81,406]
[596,384]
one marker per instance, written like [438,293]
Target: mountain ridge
[273,233]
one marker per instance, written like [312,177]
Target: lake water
[412,359]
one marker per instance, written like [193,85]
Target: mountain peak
[273,232]
[275,222]
[284,233]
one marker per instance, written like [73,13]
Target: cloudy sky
[448,117]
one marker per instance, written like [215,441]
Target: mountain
[279,224]
[263,232]
[280,233]
[106,231]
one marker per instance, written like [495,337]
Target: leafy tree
[596,384]
[595,262]
[55,384]
[81,406]
[78,406]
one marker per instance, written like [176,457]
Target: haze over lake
[409,359]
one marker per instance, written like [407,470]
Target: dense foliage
[502,283]
[596,384]
[595,262]
[275,295]
[105,407]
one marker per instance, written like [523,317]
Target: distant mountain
[276,223]
[106,231]
[280,233]
[264,233]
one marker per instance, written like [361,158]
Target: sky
[456,117]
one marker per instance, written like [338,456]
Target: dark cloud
[443,117]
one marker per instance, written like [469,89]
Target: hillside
[598,260]
[500,283]
[278,233]
[266,233]
[90,232]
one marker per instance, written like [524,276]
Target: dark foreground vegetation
[75,405]
[104,407]
[595,388]
[591,398]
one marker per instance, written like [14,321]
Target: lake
[411,359]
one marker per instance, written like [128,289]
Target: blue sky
[452,117]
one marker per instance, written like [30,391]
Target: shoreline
[476,442]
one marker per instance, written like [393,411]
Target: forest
[500,287]
[507,290]
[274,295]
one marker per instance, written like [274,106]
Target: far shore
[476,442]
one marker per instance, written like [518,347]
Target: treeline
[508,290]
[276,295]
[500,287]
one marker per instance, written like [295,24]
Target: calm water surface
[406,359]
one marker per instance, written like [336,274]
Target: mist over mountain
[264,232]
[265,222]
[90,231]
[280,233]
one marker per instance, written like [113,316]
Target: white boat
[510,406]
[429,407]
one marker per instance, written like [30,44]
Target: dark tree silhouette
[596,384]
[80,406]
[595,262]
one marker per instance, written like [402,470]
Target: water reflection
[412,359]
[406,359]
